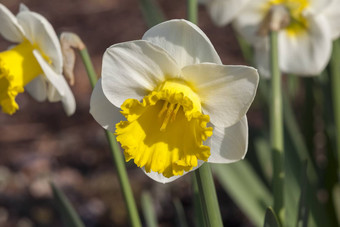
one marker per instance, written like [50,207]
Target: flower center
[18,67]
[298,22]
[165,132]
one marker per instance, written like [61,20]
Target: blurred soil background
[40,143]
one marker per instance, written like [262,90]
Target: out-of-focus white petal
[103,111]
[261,57]
[248,21]
[162,179]
[222,12]
[184,41]
[37,88]
[59,83]
[307,53]
[52,93]
[40,32]
[133,69]
[229,144]
[332,13]
[318,6]
[9,26]
[226,92]
[23,7]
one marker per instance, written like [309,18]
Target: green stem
[115,151]
[208,196]
[204,178]
[276,128]
[192,11]
[335,75]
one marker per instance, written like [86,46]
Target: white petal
[248,21]
[133,69]
[229,144]
[332,13]
[226,92]
[23,7]
[223,12]
[59,83]
[318,6]
[40,32]
[37,88]
[184,41]
[307,53]
[103,111]
[9,26]
[52,93]
[162,179]
[261,57]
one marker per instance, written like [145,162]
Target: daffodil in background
[182,107]
[305,41]
[222,12]
[34,64]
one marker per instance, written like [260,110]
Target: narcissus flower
[305,42]
[182,107]
[34,64]
[222,12]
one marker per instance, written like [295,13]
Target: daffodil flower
[222,12]
[34,64]
[182,107]
[304,43]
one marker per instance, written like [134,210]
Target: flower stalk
[192,7]
[115,151]
[335,75]
[276,127]
[208,196]
[203,175]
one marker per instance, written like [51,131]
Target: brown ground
[40,143]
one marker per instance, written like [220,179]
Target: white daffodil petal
[308,52]
[247,23]
[9,26]
[184,41]
[40,32]
[162,179]
[229,144]
[223,12]
[226,92]
[332,13]
[23,7]
[59,83]
[106,114]
[133,69]
[318,6]
[261,57]
[37,88]
[52,93]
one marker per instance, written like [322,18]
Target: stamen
[175,112]
[164,108]
[167,117]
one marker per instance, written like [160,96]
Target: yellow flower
[182,107]
[35,63]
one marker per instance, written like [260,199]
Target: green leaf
[198,210]
[270,219]
[336,200]
[151,12]
[68,214]
[148,210]
[302,220]
[237,179]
